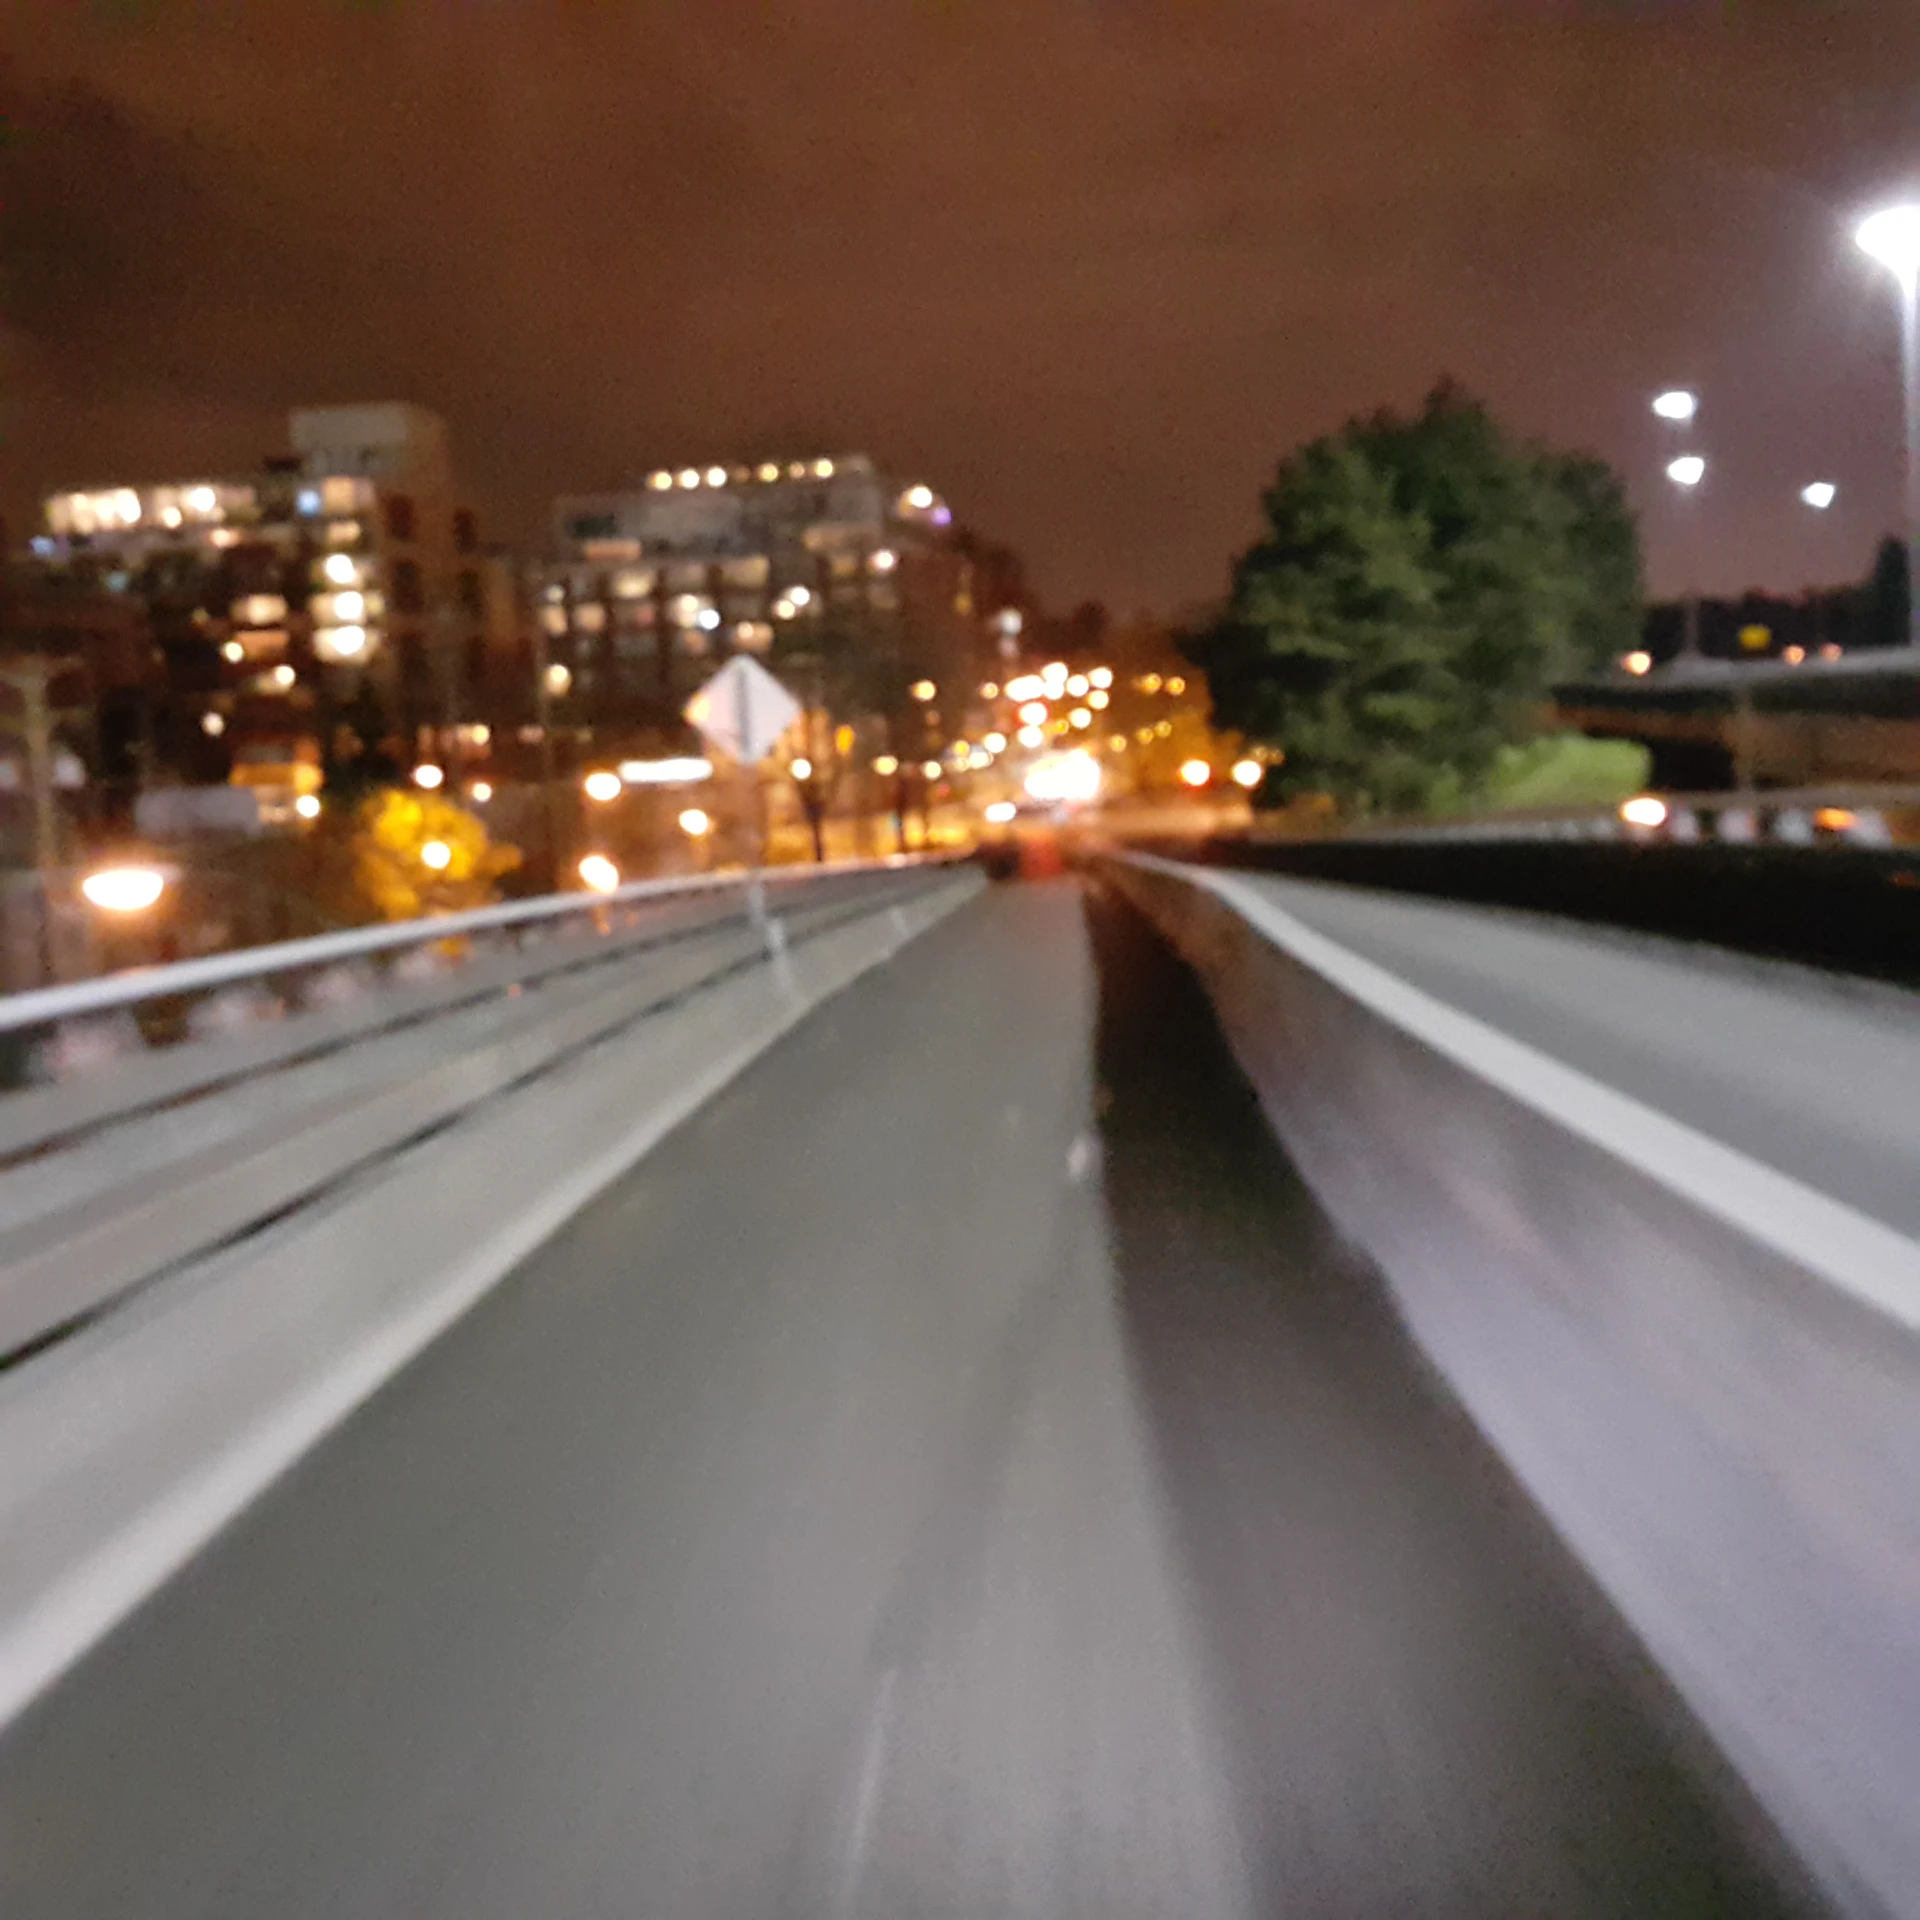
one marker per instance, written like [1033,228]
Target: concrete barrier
[132,1442]
[1707,1374]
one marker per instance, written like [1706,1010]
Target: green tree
[1884,603]
[1422,582]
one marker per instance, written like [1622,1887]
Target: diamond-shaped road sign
[743,710]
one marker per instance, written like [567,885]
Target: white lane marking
[866,1796]
[1082,1157]
[1861,1256]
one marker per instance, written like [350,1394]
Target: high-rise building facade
[336,600]
[853,586]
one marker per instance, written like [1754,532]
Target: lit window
[632,584]
[343,533]
[554,620]
[340,643]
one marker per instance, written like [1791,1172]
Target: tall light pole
[1892,237]
[1686,473]
[1677,406]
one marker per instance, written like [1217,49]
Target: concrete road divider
[1705,1371]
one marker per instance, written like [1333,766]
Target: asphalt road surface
[958,1474]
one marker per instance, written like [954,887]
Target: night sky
[1090,267]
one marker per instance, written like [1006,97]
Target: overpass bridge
[1160,1391]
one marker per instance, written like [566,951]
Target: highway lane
[958,1473]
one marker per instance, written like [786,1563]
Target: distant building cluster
[336,614]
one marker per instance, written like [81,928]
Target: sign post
[743,710]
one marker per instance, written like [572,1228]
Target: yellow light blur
[1077,684]
[1176,685]
[599,873]
[991,691]
[885,764]
[716,476]
[1835,819]
[1247,773]
[1030,736]
[283,675]
[931,768]
[1793,655]
[920,498]
[995,743]
[1101,676]
[350,606]
[233,651]
[1054,675]
[1034,713]
[1029,686]
[603,784]
[558,678]
[427,776]
[884,560]
[1001,812]
[437,855]
[923,690]
[1195,773]
[1150,684]
[660,482]
[1117,742]
[340,569]
[1644,810]
[695,822]
[823,469]
[213,725]
[1164,728]
[339,643]
[482,791]
[124,889]
[688,476]
[1638,661]
[802,769]
[1097,700]
[769,470]
[1080,717]
[1146,734]
[307,806]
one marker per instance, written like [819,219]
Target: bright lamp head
[1892,236]
[1676,404]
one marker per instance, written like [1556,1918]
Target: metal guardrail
[55,1034]
[314,1075]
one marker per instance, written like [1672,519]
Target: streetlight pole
[1892,237]
[1686,473]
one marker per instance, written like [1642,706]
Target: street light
[1677,404]
[1819,495]
[1686,473]
[1892,237]
[124,889]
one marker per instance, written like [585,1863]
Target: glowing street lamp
[1688,471]
[1892,237]
[1677,405]
[598,873]
[1819,495]
[123,889]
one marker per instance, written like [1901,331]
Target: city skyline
[1097,268]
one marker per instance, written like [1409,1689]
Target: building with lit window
[851,585]
[337,597]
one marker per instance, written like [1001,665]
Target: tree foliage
[393,832]
[1420,584]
